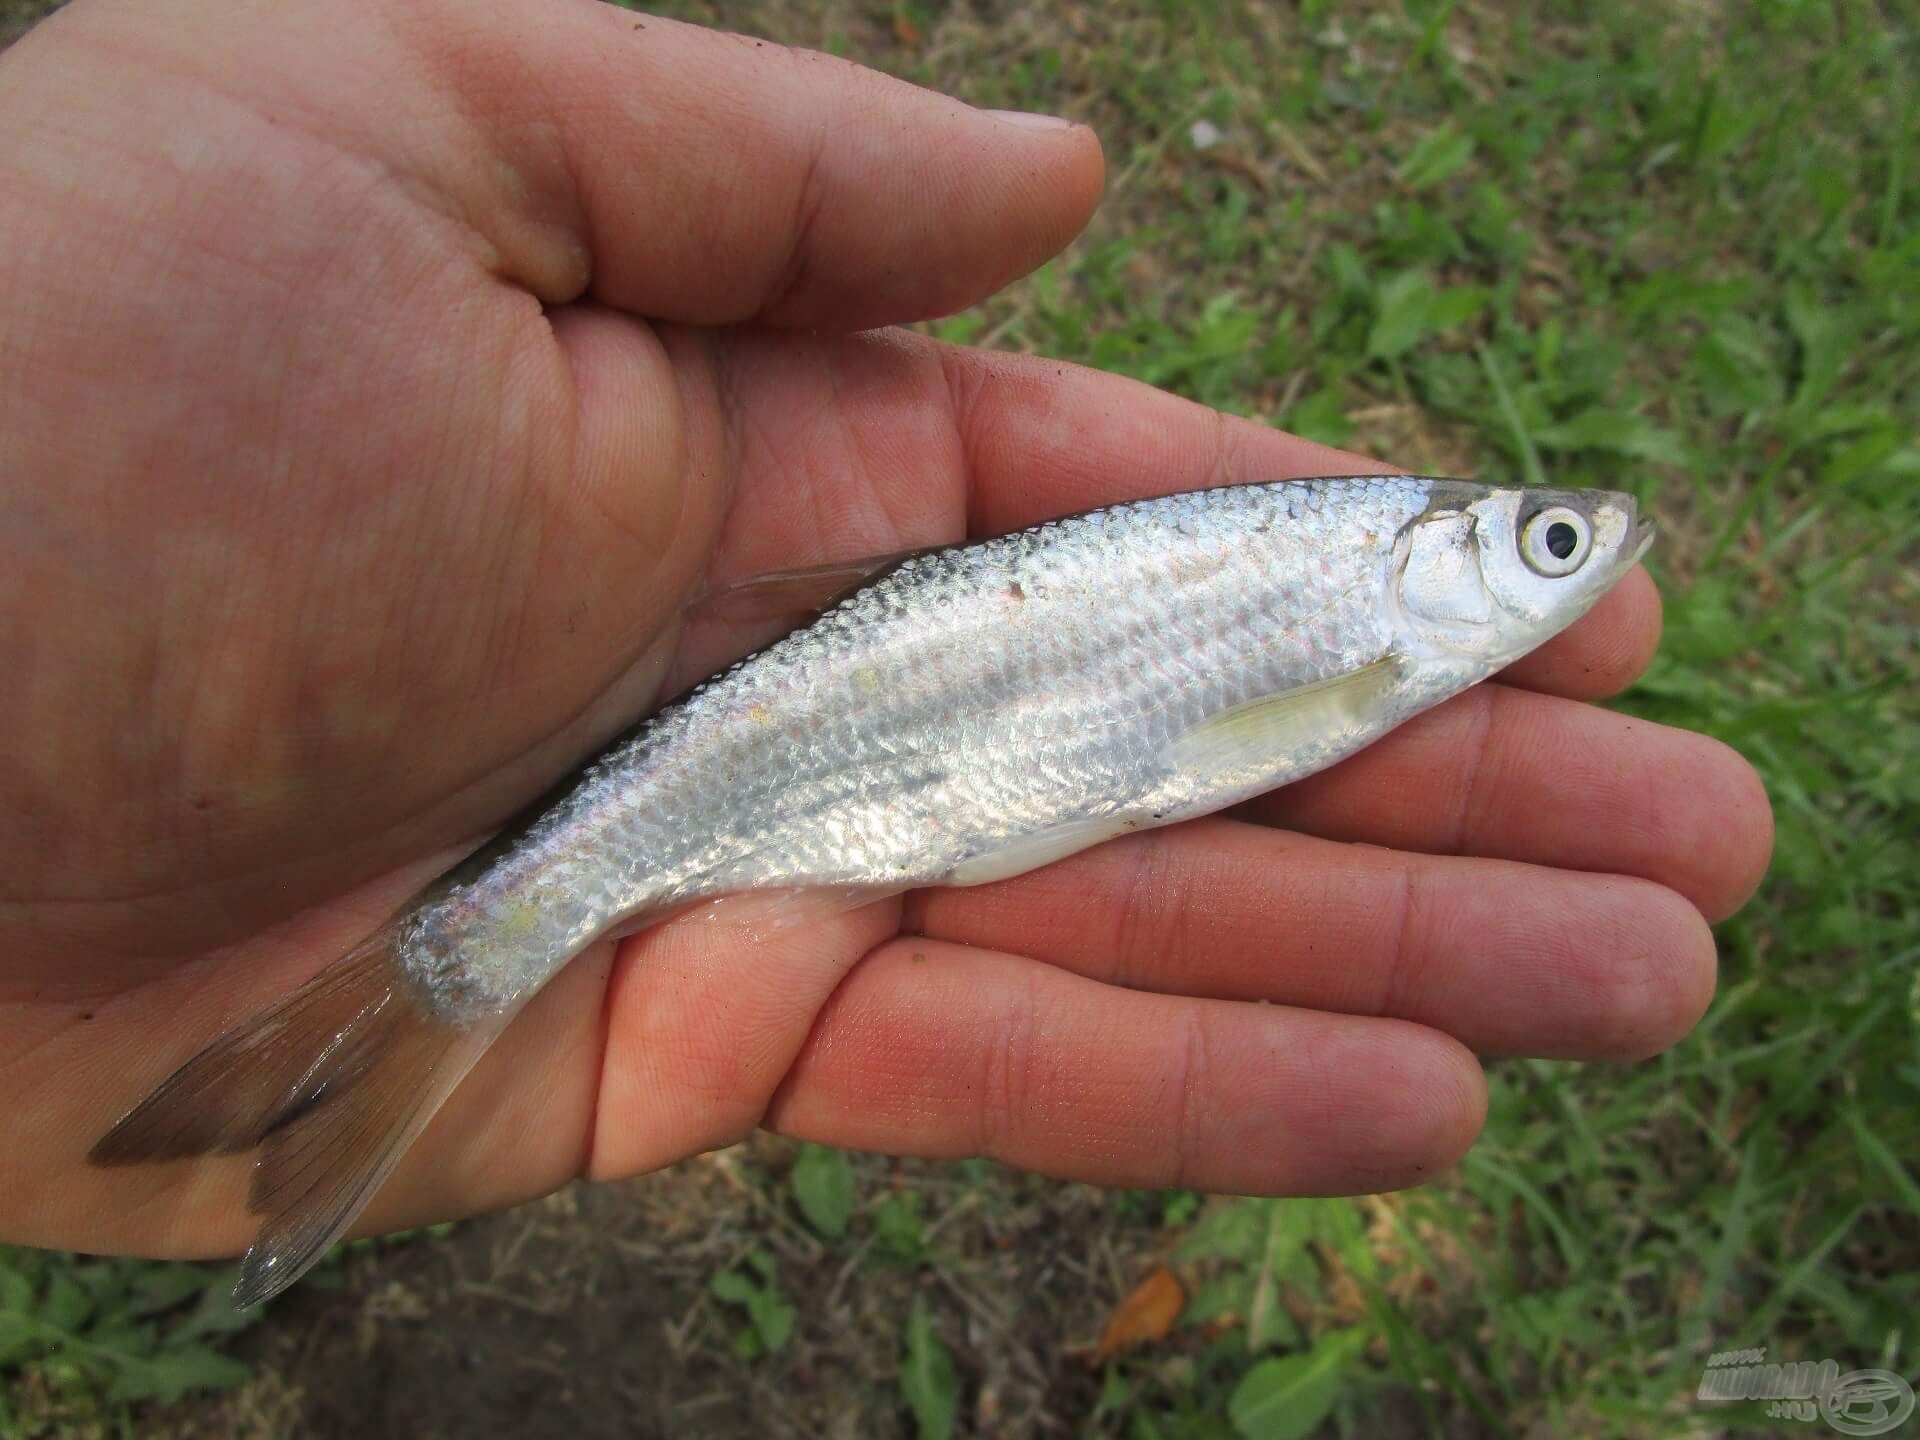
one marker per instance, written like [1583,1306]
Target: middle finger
[1506,957]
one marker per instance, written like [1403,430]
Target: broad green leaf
[1438,155]
[1848,420]
[1322,417]
[65,1305]
[216,1314]
[898,1230]
[927,1379]
[127,1338]
[1822,332]
[16,1290]
[1862,457]
[1737,368]
[1455,306]
[1874,1149]
[165,1286]
[19,1338]
[1287,1397]
[1276,1328]
[822,1183]
[772,1317]
[1401,320]
[1230,1229]
[1229,1294]
[1349,273]
[1616,432]
[172,1373]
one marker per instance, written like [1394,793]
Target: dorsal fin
[796,595]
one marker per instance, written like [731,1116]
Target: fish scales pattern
[970,697]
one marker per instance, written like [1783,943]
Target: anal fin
[1030,852]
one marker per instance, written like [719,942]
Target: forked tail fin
[332,1084]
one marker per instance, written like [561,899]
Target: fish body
[972,713]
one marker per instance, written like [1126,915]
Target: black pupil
[1561,539]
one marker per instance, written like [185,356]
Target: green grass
[1671,249]
[1598,247]
[85,1339]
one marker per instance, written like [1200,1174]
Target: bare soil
[589,1314]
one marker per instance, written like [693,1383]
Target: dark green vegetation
[1673,249]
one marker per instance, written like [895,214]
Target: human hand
[380,381]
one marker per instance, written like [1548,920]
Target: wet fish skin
[976,697]
[972,713]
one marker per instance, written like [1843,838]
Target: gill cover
[1441,581]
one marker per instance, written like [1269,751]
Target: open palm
[381,384]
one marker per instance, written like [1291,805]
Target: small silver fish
[966,715]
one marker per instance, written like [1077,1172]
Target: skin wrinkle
[553,380]
[920,362]
[1622,994]
[1226,449]
[809,198]
[832,414]
[593,488]
[1144,907]
[1482,709]
[1654,828]
[556,278]
[700,366]
[962,385]
[739,422]
[1192,1071]
[1006,1090]
[1318,1092]
[1394,985]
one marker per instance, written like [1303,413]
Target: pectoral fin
[1262,732]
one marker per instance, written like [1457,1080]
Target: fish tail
[331,1085]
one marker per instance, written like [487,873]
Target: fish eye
[1556,541]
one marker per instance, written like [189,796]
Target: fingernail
[1027,120]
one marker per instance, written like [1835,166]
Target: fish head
[1487,574]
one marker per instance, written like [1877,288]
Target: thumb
[713,178]
[674,172]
